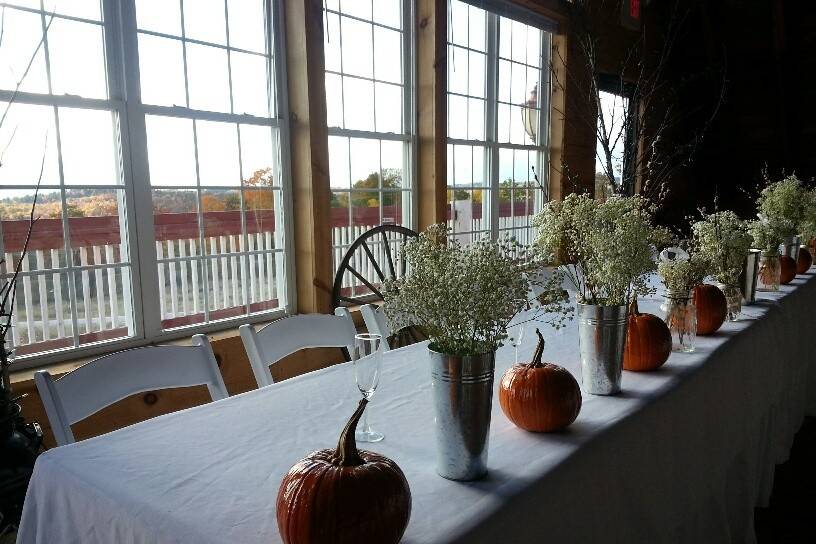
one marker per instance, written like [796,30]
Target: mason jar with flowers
[722,240]
[784,204]
[681,273]
[767,238]
[464,298]
[605,251]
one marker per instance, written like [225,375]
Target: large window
[370,118]
[162,199]
[498,92]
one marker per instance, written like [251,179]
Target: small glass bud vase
[733,296]
[681,317]
[770,270]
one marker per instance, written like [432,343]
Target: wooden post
[431,84]
[311,193]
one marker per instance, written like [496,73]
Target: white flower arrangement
[722,239]
[784,203]
[767,236]
[808,227]
[680,271]
[604,248]
[464,297]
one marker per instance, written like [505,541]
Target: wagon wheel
[385,266]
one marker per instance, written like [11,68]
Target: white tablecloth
[682,455]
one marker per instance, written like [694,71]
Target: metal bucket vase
[601,340]
[749,275]
[791,247]
[462,390]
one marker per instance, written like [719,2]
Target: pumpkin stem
[633,307]
[539,352]
[346,453]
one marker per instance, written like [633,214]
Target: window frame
[409,114]
[124,99]
[491,143]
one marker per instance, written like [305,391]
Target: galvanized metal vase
[749,276]
[462,389]
[601,339]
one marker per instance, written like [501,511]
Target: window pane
[217,153]
[339,162]
[258,151]
[357,8]
[208,80]
[250,85]
[27,134]
[246,24]
[94,224]
[22,34]
[391,158]
[389,108]
[388,12]
[86,9]
[77,55]
[365,163]
[46,247]
[161,71]
[159,16]
[89,156]
[387,55]
[205,20]
[170,151]
[358,96]
[357,47]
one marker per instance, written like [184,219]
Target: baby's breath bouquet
[604,248]
[784,203]
[766,235]
[464,297]
[808,226]
[680,271]
[722,239]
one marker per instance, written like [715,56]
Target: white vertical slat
[233,260]
[253,272]
[172,276]
[57,280]
[29,304]
[42,291]
[194,274]
[185,294]
[271,264]
[162,301]
[99,288]
[86,289]
[263,291]
[113,290]
[14,329]
[224,272]
[216,284]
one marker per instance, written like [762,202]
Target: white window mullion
[491,132]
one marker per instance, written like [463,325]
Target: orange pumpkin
[539,397]
[344,495]
[788,269]
[648,341]
[711,308]
[805,261]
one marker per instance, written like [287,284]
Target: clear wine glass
[367,359]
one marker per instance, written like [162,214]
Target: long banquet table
[681,455]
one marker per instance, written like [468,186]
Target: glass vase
[681,318]
[733,297]
[770,270]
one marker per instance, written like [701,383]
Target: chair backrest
[273,342]
[106,380]
[376,323]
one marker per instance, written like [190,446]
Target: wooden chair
[106,380]
[273,342]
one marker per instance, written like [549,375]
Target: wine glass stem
[515,350]
[366,428]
